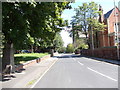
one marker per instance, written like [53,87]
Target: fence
[106,53]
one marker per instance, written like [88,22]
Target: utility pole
[92,39]
[73,30]
[116,28]
[73,33]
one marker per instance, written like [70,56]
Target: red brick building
[112,20]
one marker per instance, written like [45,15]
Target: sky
[68,13]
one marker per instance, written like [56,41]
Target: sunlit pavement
[27,77]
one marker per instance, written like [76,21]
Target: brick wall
[107,38]
[106,53]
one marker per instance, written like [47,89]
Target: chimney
[101,17]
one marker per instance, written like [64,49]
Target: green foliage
[80,43]
[70,48]
[66,22]
[22,58]
[31,23]
[86,17]
[85,14]
[14,24]
[58,42]
[76,30]
[62,49]
[96,25]
[83,46]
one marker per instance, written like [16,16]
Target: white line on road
[102,74]
[72,58]
[43,75]
[80,63]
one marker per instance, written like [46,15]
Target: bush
[70,48]
[62,50]
[83,46]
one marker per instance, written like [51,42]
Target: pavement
[117,62]
[66,71]
[29,75]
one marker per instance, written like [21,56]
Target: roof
[108,14]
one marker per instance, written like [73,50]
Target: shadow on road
[116,62]
[70,56]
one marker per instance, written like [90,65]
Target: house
[108,37]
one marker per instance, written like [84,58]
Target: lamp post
[73,36]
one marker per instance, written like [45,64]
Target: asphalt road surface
[71,71]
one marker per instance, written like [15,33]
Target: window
[117,26]
[119,40]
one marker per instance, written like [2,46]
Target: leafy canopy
[27,23]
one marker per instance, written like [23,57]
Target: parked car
[25,51]
[77,51]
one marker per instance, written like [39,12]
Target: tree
[14,29]
[70,48]
[62,50]
[58,42]
[28,23]
[51,18]
[93,30]
[80,44]
[86,17]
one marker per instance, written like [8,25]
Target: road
[71,71]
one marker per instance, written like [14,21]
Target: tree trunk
[8,56]
[91,39]
[32,50]
[52,52]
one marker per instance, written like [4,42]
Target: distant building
[112,20]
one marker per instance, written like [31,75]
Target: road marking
[102,74]
[43,74]
[80,63]
[91,59]
[74,59]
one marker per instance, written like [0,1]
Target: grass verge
[22,58]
